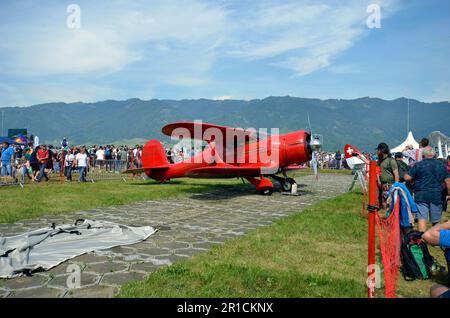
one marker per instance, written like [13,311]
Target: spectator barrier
[106,170]
[8,181]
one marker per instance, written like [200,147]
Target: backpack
[416,259]
[107,152]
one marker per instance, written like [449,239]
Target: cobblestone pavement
[186,226]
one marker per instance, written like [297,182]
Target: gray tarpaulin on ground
[45,248]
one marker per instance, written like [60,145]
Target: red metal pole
[373,208]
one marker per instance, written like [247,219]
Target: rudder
[154,156]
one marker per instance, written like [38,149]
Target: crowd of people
[428,180]
[39,163]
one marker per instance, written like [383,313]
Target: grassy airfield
[320,252]
[57,197]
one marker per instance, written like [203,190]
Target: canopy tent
[409,141]
[19,140]
[440,142]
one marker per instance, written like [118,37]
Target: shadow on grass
[210,191]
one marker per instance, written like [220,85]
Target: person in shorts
[429,177]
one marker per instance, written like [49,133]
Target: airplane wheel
[266,191]
[287,185]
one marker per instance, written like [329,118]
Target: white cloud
[109,38]
[304,36]
[157,43]
[224,97]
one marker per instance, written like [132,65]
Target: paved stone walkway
[186,226]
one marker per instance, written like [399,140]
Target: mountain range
[363,122]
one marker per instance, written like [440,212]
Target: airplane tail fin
[154,156]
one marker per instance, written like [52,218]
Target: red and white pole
[372,210]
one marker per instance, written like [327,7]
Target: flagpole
[3,114]
[407,125]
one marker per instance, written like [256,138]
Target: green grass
[320,252]
[55,197]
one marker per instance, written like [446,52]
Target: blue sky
[222,49]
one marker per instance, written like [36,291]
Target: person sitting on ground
[439,235]
[388,171]
[428,177]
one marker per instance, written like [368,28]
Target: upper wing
[204,131]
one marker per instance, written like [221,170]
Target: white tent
[409,141]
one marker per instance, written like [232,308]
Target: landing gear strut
[263,185]
[288,185]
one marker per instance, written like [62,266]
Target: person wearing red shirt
[42,157]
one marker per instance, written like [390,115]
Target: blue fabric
[428,175]
[6,169]
[82,171]
[444,239]
[404,216]
[7,154]
[42,173]
[429,211]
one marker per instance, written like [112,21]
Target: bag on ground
[417,262]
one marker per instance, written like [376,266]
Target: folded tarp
[46,248]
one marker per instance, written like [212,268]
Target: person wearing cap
[429,176]
[388,171]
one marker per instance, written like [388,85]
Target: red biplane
[229,153]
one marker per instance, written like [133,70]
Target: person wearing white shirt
[81,160]
[68,164]
[100,155]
